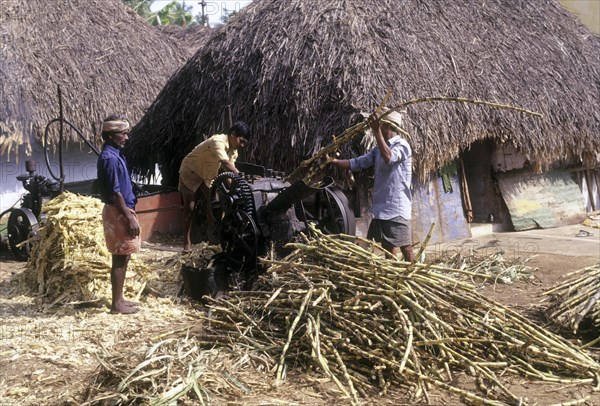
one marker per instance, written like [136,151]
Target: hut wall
[505,157]
[545,200]
[78,162]
[432,203]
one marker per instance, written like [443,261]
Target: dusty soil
[49,355]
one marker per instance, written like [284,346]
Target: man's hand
[134,226]
[229,166]
[374,122]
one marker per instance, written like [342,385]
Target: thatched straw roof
[104,56]
[191,37]
[299,71]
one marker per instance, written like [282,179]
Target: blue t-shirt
[113,177]
[392,196]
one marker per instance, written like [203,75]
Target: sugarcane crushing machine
[257,212]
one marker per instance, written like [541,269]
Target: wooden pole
[60,141]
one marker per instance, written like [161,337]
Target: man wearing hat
[392,197]
[121,225]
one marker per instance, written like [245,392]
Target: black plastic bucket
[199,282]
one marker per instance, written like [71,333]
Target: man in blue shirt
[121,226]
[392,197]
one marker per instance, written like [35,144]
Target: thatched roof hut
[103,55]
[300,71]
[192,37]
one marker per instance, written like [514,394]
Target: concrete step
[479,229]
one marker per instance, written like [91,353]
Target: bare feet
[130,303]
[123,308]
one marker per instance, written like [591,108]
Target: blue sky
[214,8]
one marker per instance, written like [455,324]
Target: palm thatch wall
[300,71]
[105,58]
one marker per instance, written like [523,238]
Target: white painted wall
[79,164]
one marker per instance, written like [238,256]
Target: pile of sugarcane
[69,261]
[493,268]
[370,322]
[577,299]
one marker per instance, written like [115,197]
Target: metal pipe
[45,144]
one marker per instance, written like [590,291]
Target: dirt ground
[54,353]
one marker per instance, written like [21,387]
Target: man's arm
[134,225]
[229,166]
[341,163]
[384,149]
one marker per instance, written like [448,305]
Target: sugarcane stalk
[573,402]
[342,366]
[313,331]
[425,242]
[313,165]
[280,367]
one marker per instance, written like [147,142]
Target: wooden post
[60,141]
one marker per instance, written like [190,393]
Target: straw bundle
[369,323]
[576,299]
[69,262]
[176,370]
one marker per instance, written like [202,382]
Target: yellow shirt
[203,163]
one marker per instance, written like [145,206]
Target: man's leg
[211,224]
[117,280]
[188,210]
[392,249]
[408,253]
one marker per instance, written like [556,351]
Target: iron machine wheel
[329,210]
[232,205]
[22,225]
[239,236]
[229,193]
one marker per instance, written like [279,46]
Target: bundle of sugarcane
[576,299]
[493,268]
[313,168]
[70,262]
[370,322]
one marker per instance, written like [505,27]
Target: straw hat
[394,119]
